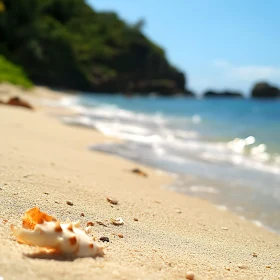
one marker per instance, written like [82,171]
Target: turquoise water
[223,150]
[223,119]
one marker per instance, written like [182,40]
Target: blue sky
[219,44]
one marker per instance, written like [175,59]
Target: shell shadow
[49,256]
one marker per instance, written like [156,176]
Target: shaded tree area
[65,43]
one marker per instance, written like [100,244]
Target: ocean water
[226,151]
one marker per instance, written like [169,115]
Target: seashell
[117,222]
[40,229]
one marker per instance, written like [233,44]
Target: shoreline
[84,117]
[174,233]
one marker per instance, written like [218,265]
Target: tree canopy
[66,43]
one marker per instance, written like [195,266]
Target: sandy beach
[165,234]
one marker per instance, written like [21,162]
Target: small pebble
[227,268]
[135,219]
[112,200]
[139,172]
[178,211]
[88,230]
[254,255]
[46,193]
[104,239]
[117,222]
[56,202]
[120,235]
[268,266]
[90,224]
[190,275]
[224,228]
[101,223]
[82,214]
[69,202]
[242,266]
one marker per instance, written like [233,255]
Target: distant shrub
[13,74]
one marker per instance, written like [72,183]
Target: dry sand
[45,163]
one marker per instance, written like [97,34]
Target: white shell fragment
[117,222]
[66,239]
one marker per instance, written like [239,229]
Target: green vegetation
[65,43]
[13,74]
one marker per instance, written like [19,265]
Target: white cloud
[223,75]
[247,73]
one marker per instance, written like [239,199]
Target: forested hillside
[66,44]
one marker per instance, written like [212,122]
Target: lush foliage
[13,74]
[66,43]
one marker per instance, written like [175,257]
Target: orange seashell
[44,231]
[34,216]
